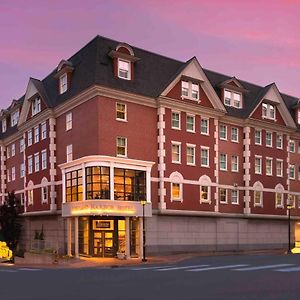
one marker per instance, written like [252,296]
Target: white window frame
[178,146]
[259,158]
[124,70]
[229,99]
[30,164]
[279,137]
[173,121]
[29,137]
[193,147]
[14,118]
[269,160]
[206,132]
[69,152]
[36,162]
[292,146]
[176,179]
[258,188]
[22,170]
[36,106]
[44,130]
[69,121]
[190,90]
[8,175]
[237,197]
[120,145]
[44,159]
[44,192]
[205,149]
[13,173]
[233,135]
[205,181]
[223,155]
[63,83]
[279,161]
[255,137]
[36,134]
[266,111]
[192,117]
[224,138]
[292,167]
[226,195]
[233,163]
[269,142]
[4,125]
[13,149]
[121,111]
[22,145]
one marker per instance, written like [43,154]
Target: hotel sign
[106,208]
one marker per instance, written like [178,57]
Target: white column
[83,182]
[141,236]
[69,236]
[127,235]
[111,181]
[76,237]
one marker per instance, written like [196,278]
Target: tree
[10,227]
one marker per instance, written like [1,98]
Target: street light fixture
[143,202]
[289,207]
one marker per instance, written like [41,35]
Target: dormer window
[36,106]
[63,83]
[298,116]
[4,125]
[268,111]
[233,99]
[189,90]
[124,69]
[14,118]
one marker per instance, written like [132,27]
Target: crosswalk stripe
[181,268]
[292,269]
[263,267]
[147,268]
[216,268]
[29,269]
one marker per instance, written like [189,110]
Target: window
[124,69]
[190,123]
[292,146]
[22,145]
[257,137]
[205,126]
[299,173]
[22,199]
[36,106]
[279,141]
[121,112]
[8,175]
[69,121]
[279,167]
[232,99]
[14,118]
[30,164]
[176,191]
[63,83]
[269,139]
[269,163]
[36,134]
[44,159]
[298,201]
[257,164]
[30,196]
[223,162]
[292,172]
[176,152]
[129,185]
[44,191]
[74,188]
[234,196]
[190,155]
[204,190]
[22,170]
[44,130]
[13,150]
[175,120]
[298,116]
[36,162]
[204,157]
[189,90]
[8,152]
[98,183]
[121,146]
[258,194]
[223,132]
[279,199]
[223,195]
[4,125]
[13,173]
[234,134]
[29,137]
[195,91]
[69,153]
[268,111]
[234,163]
[184,89]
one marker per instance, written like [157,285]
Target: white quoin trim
[246,166]
[52,161]
[216,161]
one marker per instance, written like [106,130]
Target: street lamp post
[143,202]
[289,207]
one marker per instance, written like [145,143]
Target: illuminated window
[205,189]
[223,195]
[258,194]
[204,193]
[279,189]
[121,146]
[121,113]
[175,120]
[124,69]
[74,188]
[176,191]
[97,183]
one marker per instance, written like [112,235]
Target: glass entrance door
[103,243]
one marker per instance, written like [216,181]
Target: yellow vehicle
[5,252]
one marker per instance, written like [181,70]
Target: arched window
[279,194]
[258,194]
[30,193]
[205,189]
[176,186]
[44,190]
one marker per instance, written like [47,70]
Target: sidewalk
[95,262]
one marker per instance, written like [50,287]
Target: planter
[36,258]
[121,255]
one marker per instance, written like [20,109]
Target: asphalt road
[221,277]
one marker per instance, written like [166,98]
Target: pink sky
[258,41]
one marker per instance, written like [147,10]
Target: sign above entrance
[106,208]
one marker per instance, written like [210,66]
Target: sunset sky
[258,41]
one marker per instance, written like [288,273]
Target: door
[103,243]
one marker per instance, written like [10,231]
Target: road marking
[263,267]
[181,268]
[216,268]
[8,271]
[28,269]
[147,268]
[292,269]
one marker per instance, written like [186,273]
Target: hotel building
[116,132]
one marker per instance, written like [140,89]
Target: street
[216,277]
